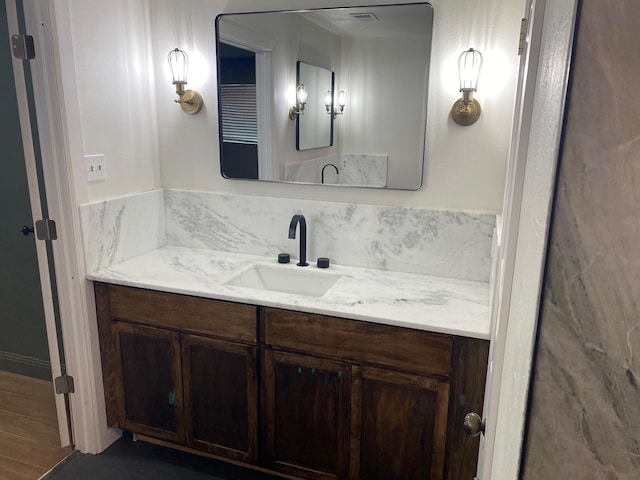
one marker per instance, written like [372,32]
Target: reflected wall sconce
[466,110]
[190,100]
[301,101]
[328,101]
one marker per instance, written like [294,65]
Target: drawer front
[180,312]
[384,345]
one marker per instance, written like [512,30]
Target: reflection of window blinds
[239,116]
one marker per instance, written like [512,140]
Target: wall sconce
[342,101]
[466,110]
[190,100]
[301,100]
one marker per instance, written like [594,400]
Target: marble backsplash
[122,228]
[364,170]
[402,239]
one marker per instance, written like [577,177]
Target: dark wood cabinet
[306,412]
[306,395]
[220,397]
[149,396]
[398,384]
[181,369]
[400,422]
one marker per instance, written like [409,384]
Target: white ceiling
[384,21]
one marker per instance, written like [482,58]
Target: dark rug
[129,460]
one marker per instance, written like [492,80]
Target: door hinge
[22,46]
[522,44]
[46,230]
[64,384]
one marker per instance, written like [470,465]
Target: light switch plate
[96,168]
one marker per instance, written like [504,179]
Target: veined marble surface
[364,170]
[585,400]
[422,302]
[368,170]
[390,238]
[118,229]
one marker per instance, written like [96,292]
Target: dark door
[23,336]
[221,398]
[401,425]
[307,403]
[30,343]
[150,395]
[238,108]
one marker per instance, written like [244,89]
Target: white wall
[115,75]
[465,166]
[388,73]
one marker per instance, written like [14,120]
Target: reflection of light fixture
[301,100]
[190,100]
[328,100]
[466,110]
[342,101]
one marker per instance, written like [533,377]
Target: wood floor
[29,439]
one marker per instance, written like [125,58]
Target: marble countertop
[424,302]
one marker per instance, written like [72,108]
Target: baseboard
[23,365]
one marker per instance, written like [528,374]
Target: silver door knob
[473,425]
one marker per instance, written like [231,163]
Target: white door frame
[59,126]
[36,214]
[531,174]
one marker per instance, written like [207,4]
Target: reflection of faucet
[303,237]
[322,175]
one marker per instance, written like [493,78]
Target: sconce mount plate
[191,102]
[294,112]
[466,115]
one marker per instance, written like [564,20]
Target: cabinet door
[150,394]
[306,411]
[221,400]
[399,424]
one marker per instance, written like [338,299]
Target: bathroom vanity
[310,387]
[308,395]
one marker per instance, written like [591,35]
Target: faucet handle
[322,262]
[284,258]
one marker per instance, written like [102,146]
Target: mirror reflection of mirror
[314,127]
[378,55]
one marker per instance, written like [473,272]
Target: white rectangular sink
[308,281]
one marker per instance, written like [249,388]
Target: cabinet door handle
[172,398]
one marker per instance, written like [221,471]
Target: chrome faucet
[322,174]
[295,220]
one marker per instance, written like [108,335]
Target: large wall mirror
[367,124]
